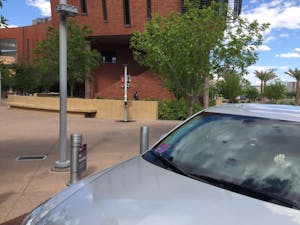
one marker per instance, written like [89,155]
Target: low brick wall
[106,109]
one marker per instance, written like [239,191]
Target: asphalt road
[26,184]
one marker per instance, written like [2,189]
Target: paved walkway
[25,184]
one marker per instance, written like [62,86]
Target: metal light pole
[64,10]
[0,88]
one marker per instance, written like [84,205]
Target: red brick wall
[107,82]
[115,25]
[106,78]
[27,38]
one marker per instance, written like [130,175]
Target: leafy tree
[80,58]
[6,82]
[25,79]
[185,50]
[230,87]
[238,48]
[47,60]
[296,74]
[177,48]
[275,91]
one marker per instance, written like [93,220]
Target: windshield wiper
[168,163]
[246,190]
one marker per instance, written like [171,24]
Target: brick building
[112,22]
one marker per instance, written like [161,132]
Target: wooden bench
[87,112]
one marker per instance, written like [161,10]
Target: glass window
[257,154]
[126,9]
[8,50]
[104,9]
[83,7]
[149,10]
[109,57]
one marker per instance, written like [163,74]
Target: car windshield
[254,154]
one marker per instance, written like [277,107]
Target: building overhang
[109,39]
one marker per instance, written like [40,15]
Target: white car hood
[139,193]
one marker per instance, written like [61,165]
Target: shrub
[175,109]
[275,91]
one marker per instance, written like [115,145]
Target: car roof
[270,111]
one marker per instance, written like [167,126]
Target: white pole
[0,88]
[125,95]
[63,162]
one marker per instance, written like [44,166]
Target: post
[125,95]
[63,162]
[0,88]
[144,139]
[76,140]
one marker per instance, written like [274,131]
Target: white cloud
[289,55]
[284,35]
[8,26]
[294,54]
[268,38]
[253,1]
[279,70]
[279,13]
[43,5]
[264,48]
[251,69]
[12,26]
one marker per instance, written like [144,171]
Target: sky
[280,50]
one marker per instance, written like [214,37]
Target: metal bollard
[76,140]
[144,139]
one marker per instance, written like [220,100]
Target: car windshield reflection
[257,154]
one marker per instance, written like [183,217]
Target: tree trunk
[262,91]
[261,88]
[297,92]
[71,90]
[206,92]
[191,105]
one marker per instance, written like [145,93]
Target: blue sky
[280,50]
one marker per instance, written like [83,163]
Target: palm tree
[296,74]
[264,77]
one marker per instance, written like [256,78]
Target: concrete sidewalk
[26,184]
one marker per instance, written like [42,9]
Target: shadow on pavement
[15,221]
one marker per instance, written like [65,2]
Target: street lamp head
[67,10]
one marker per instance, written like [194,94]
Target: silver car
[227,165]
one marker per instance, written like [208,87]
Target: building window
[109,57]
[83,7]
[126,7]
[149,10]
[8,51]
[104,9]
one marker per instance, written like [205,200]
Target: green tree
[296,74]
[238,48]
[275,91]
[25,79]
[230,86]
[81,59]
[185,50]
[251,93]
[6,82]
[264,76]
[177,48]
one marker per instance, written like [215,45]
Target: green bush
[175,109]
